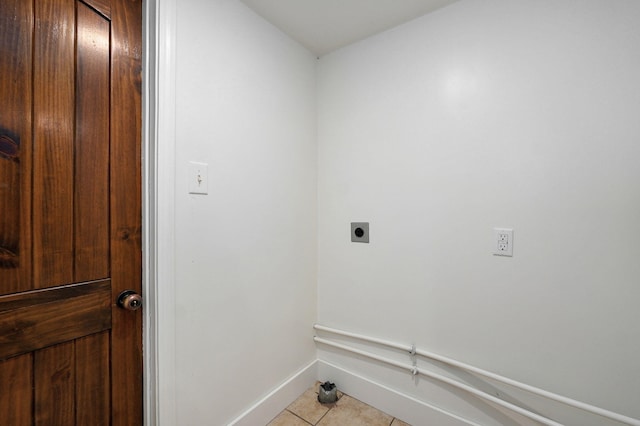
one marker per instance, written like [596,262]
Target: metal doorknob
[130,300]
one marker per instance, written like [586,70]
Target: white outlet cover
[503,242]
[198,177]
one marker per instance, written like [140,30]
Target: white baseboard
[394,403]
[277,400]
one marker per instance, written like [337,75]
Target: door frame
[158,221]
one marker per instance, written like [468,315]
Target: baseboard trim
[278,399]
[397,404]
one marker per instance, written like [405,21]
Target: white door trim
[159,144]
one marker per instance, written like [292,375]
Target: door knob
[130,300]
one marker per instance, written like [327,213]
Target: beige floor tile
[397,422]
[350,411]
[308,407]
[287,419]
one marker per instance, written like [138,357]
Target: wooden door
[70,212]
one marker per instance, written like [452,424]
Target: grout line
[298,417]
[323,416]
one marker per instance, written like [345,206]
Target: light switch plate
[198,178]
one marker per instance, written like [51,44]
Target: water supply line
[411,349]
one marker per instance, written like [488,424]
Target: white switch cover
[503,241]
[198,178]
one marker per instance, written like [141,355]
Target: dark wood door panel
[70,211]
[93,380]
[56,181]
[65,384]
[16,42]
[16,390]
[72,383]
[10,202]
[37,319]
[101,6]
[53,142]
[91,180]
[71,149]
[126,190]
[54,378]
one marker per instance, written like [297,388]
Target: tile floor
[347,411]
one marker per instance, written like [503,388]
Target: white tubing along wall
[415,370]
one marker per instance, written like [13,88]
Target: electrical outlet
[503,241]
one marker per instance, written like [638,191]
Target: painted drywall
[489,113]
[246,252]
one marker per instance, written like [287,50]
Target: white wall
[489,113]
[485,113]
[245,253]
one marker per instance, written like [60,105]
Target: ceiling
[326,25]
